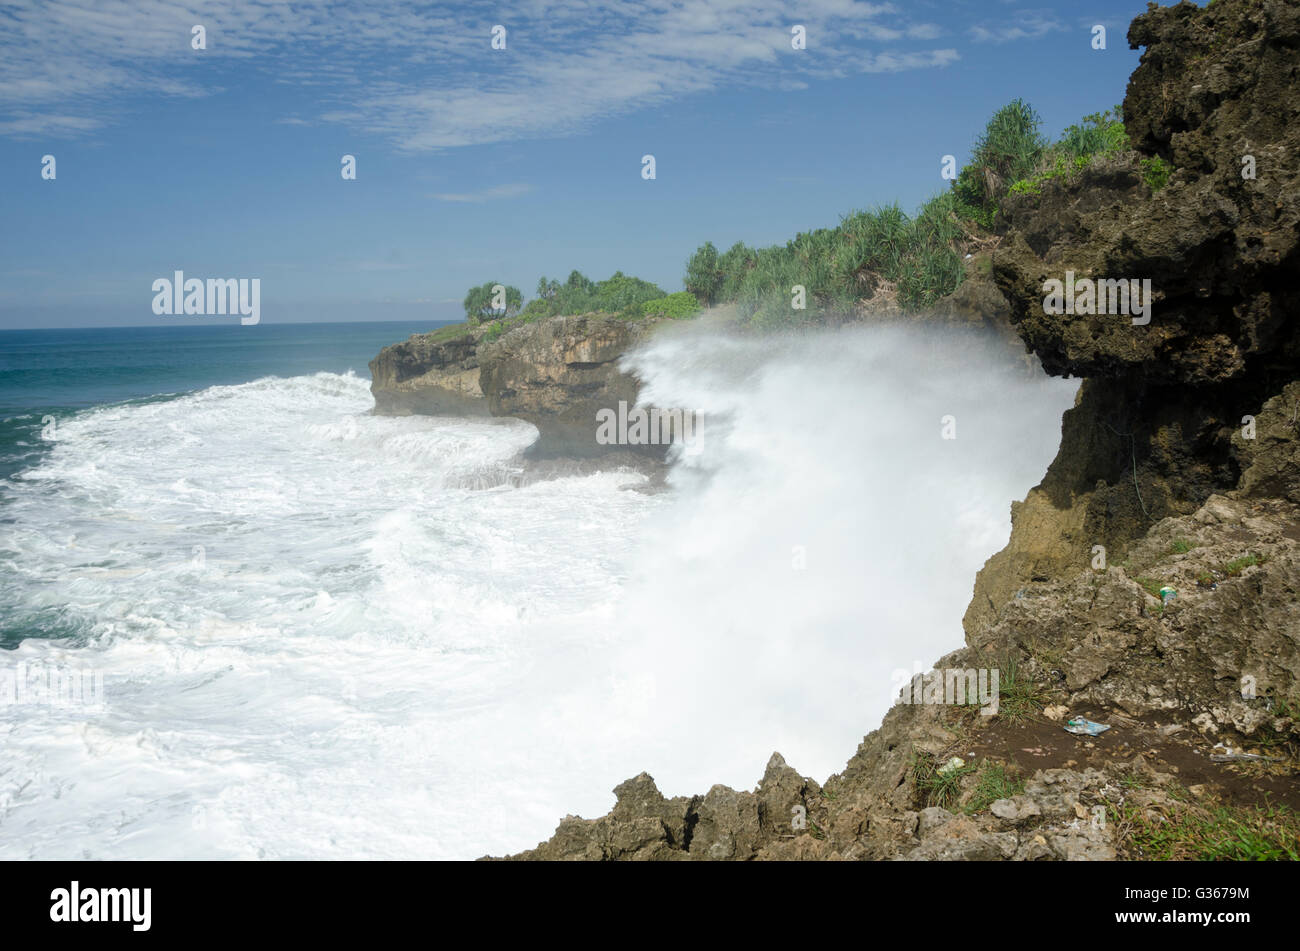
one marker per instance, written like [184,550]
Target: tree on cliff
[491,301]
[703,277]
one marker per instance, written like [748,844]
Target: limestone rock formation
[429,375]
[1154,430]
[558,373]
[555,373]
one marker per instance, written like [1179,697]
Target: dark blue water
[52,373]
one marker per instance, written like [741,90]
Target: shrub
[1008,150]
[1156,172]
[1101,133]
[618,294]
[677,306]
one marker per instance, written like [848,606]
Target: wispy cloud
[487,194]
[1028,25]
[29,125]
[430,80]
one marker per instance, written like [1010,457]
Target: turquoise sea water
[60,372]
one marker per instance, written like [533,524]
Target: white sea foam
[327,634]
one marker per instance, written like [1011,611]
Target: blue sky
[475,164]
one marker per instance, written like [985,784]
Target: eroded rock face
[1154,432]
[1235,565]
[723,824]
[427,376]
[555,373]
[558,374]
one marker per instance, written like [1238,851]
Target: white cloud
[1027,26]
[54,125]
[895,62]
[430,80]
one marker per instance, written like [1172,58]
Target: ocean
[327,634]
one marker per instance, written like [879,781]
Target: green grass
[1098,135]
[1133,780]
[936,788]
[1180,546]
[1019,698]
[1237,565]
[1151,586]
[1062,168]
[1009,149]
[450,332]
[994,782]
[1221,833]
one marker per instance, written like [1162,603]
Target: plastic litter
[1168,594]
[955,763]
[1082,727]
[1226,754]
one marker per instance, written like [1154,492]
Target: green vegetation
[450,332]
[937,788]
[1099,134]
[485,303]
[1019,698]
[678,306]
[994,782]
[914,257]
[1156,172]
[881,254]
[1180,546]
[1151,586]
[1008,151]
[1133,780]
[619,294]
[1237,565]
[1221,833]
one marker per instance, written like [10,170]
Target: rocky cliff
[554,373]
[1152,580]
[429,374]
[1217,94]
[558,373]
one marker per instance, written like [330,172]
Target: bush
[619,294]
[1008,150]
[1099,134]
[677,306]
[1156,172]
[920,255]
[839,266]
